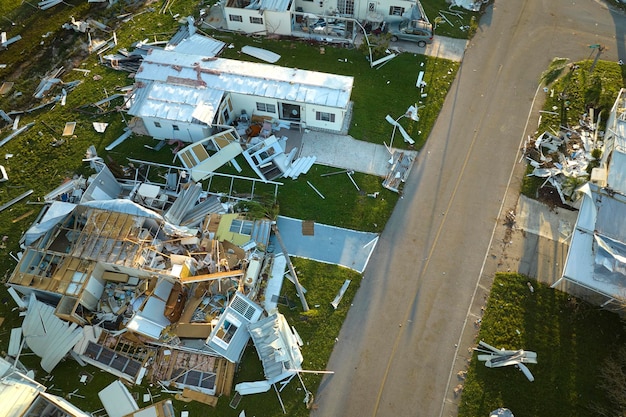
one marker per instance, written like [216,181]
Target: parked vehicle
[419,31]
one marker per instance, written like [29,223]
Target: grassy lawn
[571,339]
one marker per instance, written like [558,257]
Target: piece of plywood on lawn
[6,87]
[308,228]
[68,130]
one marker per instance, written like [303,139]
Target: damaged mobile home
[22,396]
[123,282]
[595,267]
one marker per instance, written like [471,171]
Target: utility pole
[599,49]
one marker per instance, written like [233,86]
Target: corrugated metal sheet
[200,45]
[276,346]
[272,5]
[48,336]
[117,400]
[176,102]
[250,78]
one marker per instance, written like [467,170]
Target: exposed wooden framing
[216,275]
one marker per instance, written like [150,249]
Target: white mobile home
[312,18]
[181,96]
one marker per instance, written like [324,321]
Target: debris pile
[565,157]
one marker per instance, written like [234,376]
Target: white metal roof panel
[616,176]
[250,78]
[117,400]
[199,44]
[595,256]
[175,102]
[274,5]
[48,336]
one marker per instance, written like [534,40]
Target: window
[157,124]
[242,227]
[256,20]
[175,127]
[227,331]
[235,18]
[396,11]
[226,115]
[325,117]
[266,107]
[346,7]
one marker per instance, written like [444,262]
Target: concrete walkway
[442,47]
[347,153]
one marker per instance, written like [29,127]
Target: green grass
[576,91]
[571,339]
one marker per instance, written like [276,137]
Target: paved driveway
[411,324]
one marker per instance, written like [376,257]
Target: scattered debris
[46,4]
[16,133]
[316,190]
[100,127]
[262,54]
[4,42]
[15,200]
[68,130]
[563,157]
[3,174]
[471,5]
[5,88]
[496,358]
[339,296]
[401,164]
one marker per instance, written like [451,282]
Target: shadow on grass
[571,339]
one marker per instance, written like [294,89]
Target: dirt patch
[550,196]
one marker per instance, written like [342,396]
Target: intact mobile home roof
[263,80]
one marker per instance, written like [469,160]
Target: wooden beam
[216,275]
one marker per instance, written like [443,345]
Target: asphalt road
[412,319]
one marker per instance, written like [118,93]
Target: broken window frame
[241,227]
